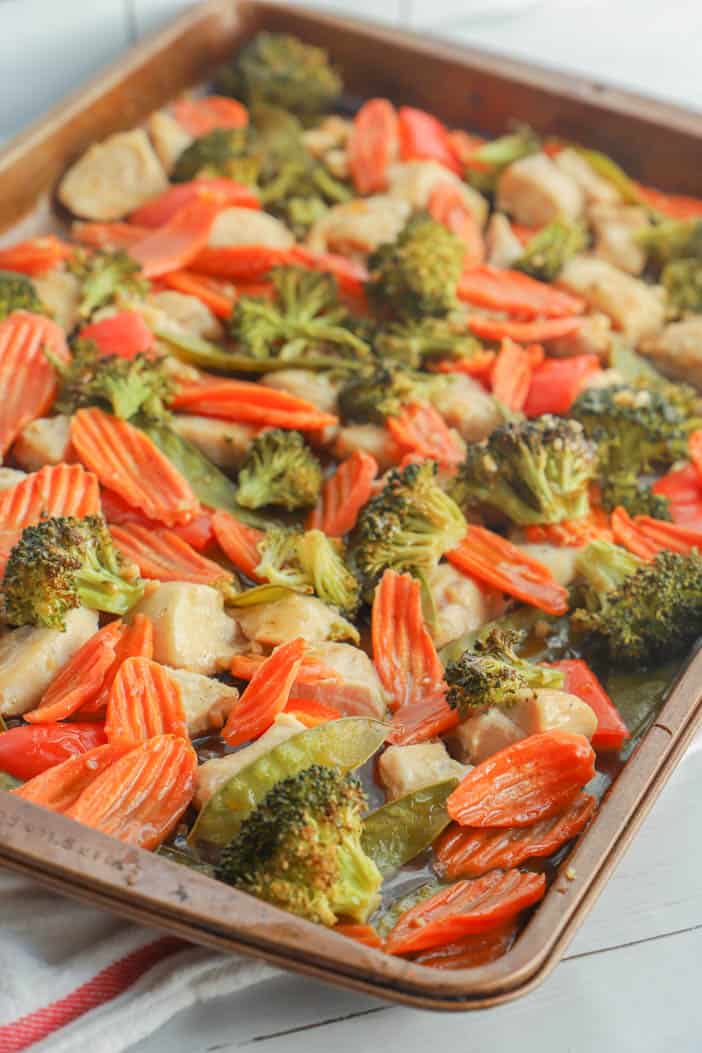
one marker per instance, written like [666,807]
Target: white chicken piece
[485,733]
[404,769]
[467,407]
[560,560]
[501,243]
[552,710]
[414,182]
[595,188]
[46,440]
[206,702]
[616,228]
[248,226]
[113,177]
[270,624]
[368,438]
[169,138]
[592,337]
[214,773]
[535,191]
[636,309]
[31,657]
[59,290]
[223,442]
[9,477]
[187,311]
[331,133]
[191,629]
[337,163]
[677,350]
[360,693]
[461,605]
[355,228]
[318,388]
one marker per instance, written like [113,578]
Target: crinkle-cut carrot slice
[27,378]
[471,951]
[420,429]
[36,256]
[373,145]
[266,694]
[343,495]
[497,562]
[126,460]
[478,365]
[55,490]
[81,678]
[225,192]
[537,331]
[674,206]
[141,797]
[447,205]
[59,788]
[572,533]
[246,402]
[110,236]
[465,909]
[200,116]
[516,293]
[364,934]
[310,712]
[472,851]
[177,242]
[164,556]
[511,375]
[627,534]
[144,702]
[312,669]
[136,641]
[197,532]
[240,262]
[238,542]
[671,536]
[216,295]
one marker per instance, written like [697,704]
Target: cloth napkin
[78,980]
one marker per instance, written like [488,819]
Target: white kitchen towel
[74,979]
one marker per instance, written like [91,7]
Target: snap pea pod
[401,829]
[195,351]
[343,744]
[259,594]
[611,172]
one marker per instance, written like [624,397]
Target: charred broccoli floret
[17,293]
[640,613]
[636,497]
[303,325]
[279,469]
[682,281]
[407,527]
[105,275]
[414,342]
[493,674]
[535,471]
[417,274]
[280,69]
[548,251]
[64,563]
[308,562]
[382,391]
[123,386]
[673,239]
[490,159]
[221,152]
[300,849]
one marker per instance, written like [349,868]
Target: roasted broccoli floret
[303,325]
[105,275]
[279,469]
[64,563]
[417,274]
[414,342]
[382,391]
[640,613]
[300,849]
[490,159]
[280,69]
[682,281]
[308,562]
[636,497]
[407,527]
[221,152]
[17,293]
[535,471]
[493,674]
[548,251]
[673,239]
[123,386]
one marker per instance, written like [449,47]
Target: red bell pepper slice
[424,138]
[200,116]
[27,750]
[580,680]
[557,382]
[225,192]
[372,145]
[125,334]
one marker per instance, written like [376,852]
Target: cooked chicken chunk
[481,735]
[502,244]
[414,181]
[677,350]
[247,226]
[592,337]
[214,773]
[224,442]
[615,228]
[318,388]
[461,604]
[551,710]
[467,407]
[595,188]
[534,191]
[113,177]
[560,560]
[206,701]
[270,624]
[169,138]
[187,311]
[356,227]
[30,659]
[360,692]
[59,290]
[404,769]
[368,438]
[329,134]
[46,440]
[191,629]
[9,477]
[635,308]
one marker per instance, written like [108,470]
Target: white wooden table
[631,979]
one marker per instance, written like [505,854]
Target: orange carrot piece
[516,293]
[266,694]
[200,116]
[465,909]
[447,205]
[27,378]
[372,145]
[471,951]
[179,241]
[540,330]
[364,934]
[572,533]
[420,429]
[343,495]
[472,851]
[109,236]
[671,536]
[511,375]
[136,641]
[208,290]
[164,556]
[694,445]
[312,670]
[478,365]
[59,788]
[36,256]
[627,534]
[674,206]
[144,702]
[81,679]
[238,542]
[140,798]
[162,208]
[246,402]
[463,144]
[55,490]
[235,262]
[197,532]
[126,460]
[310,712]
[532,779]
